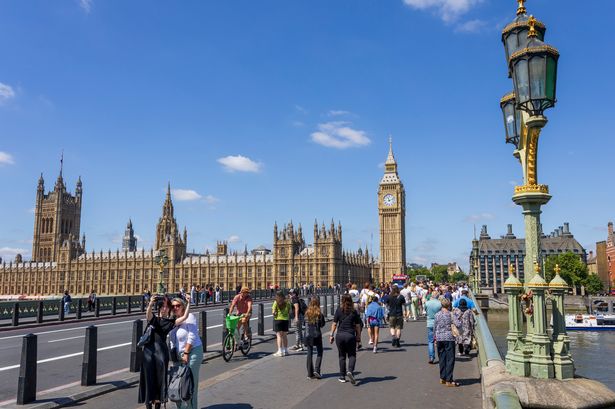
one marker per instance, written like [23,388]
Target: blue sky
[276,110]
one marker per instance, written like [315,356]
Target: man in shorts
[243,303]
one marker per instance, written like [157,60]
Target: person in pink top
[243,303]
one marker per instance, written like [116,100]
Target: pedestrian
[147,295]
[396,316]
[299,309]
[153,374]
[446,342]
[348,325]
[281,315]
[354,293]
[314,320]
[433,306]
[193,292]
[186,342]
[91,300]
[405,292]
[375,318]
[466,331]
[217,293]
[67,300]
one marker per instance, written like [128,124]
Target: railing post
[39,312]
[325,305]
[15,320]
[261,319]
[61,311]
[129,307]
[142,303]
[332,305]
[224,330]
[203,329]
[79,305]
[113,305]
[88,369]
[26,384]
[97,308]
[136,354]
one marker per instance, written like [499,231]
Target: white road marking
[56,358]
[65,339]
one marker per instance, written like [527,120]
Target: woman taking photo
[153,375]
[446,341]
[281,315]
[185,340]
[348,325]
[314,321]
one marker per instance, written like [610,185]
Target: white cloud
[339,135]
[86,5]
[300,109]
[210,199]
[478,217]
[334,112]
[6,159]
[9,253]
[472,26]
[233,239]
[6,93]
[240,163]
[185,194]
[448,10]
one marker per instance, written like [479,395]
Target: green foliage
[440,274]
[593,285]
[573,270]
[418,270]
[458,277]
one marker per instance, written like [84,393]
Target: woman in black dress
[153,376]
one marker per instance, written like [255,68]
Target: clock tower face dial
[388,200]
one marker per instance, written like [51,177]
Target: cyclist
[243,302]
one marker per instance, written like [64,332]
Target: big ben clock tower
[392,217]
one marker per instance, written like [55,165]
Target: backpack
[302,306]
[181,384]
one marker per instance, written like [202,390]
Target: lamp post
[161,260]
[532,65]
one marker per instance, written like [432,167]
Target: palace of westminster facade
[60,261]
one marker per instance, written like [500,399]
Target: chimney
[566,227]
[561,230]
[510,229]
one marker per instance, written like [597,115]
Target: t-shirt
[432,307]
[346,322]
[313,330]
[241,303]
[355,295]
[468,301]
[395,306]
[281,314]
[407,294]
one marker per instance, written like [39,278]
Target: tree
[415,270]
[440,273]
[459,276]
[593,284]
[573,270]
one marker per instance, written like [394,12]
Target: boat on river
[601,317]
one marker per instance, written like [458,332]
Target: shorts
[407,307]
[373,322]
[396,322]
[280,325]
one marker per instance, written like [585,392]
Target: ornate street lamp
[161,260]
[513,121]
[514,35]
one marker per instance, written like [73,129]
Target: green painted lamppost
[541,362]
[517,356]
[562,359]
[161,260]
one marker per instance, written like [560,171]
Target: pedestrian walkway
[392,378]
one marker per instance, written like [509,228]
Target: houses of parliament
[60,261]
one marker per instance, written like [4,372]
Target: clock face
[389,200]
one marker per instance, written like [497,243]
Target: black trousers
[446,356]
[312,343]
[464,349]
[346,347]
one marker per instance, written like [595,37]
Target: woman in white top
[186,340]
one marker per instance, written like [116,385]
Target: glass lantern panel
[537,77]
[509,120]
[522,85]
[551,78]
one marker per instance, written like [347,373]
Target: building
[392,221]
[60,261]
[598,264]
[494,256]
[610,252]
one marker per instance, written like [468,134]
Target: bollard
[136,353]
[26,384]
[97,308]
[261,319]
[332,305]
[142,303]
[129,307]
[79,305]
[15,320]
[224,330]
[88,369]
[113,305]
[326,311]
[203,329]
[39,312]
[61,312]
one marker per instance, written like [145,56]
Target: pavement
[392,378]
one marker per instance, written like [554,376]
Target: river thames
[592,352]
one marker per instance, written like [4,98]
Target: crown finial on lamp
[521,9]
[532,32]
[557,269]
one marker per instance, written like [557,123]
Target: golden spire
[557,269]
[511,269]
[521,9]
[532,23]
[536,267]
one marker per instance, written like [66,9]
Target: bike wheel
[228,347]
[246,345]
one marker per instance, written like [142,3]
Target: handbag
[454,328]
[147,337]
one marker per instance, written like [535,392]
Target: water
[592,351]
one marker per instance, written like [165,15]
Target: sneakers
[375,349]
[285,352]
[316,375]
[351,377]
[279,353]
[342,379]
[371,342]
[296,347]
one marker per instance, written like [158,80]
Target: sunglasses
[177,305]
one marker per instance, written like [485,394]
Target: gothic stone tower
[167,233]
[287,244]
[328,254]
[57,219]
[392,217]
[129,243]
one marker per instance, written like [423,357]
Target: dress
[153,376]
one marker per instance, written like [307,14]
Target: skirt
[280,325]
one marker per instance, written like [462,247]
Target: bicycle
[232,341]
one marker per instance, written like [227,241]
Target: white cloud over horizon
[86,5]
[183,195]
[448,10]
[6,159]
[239,163]
[471,26]
[9,253]
[340,112]
[6,93]
[339,135]
[233,239]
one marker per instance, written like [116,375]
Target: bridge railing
[489,356]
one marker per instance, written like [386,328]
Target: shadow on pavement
[373,379]
[230,406]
